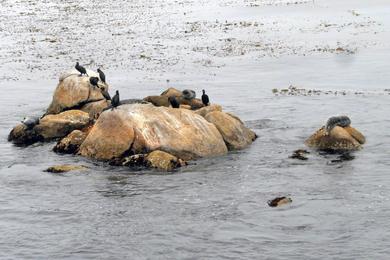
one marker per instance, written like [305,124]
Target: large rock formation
[138,132]
[74,91]
[339,138]
[143,128]
[235,134]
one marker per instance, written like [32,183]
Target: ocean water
[215,208]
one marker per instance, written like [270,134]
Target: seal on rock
[174,102]
[80,69]
[189,94]
[30,122]
[342,121]
[205,98]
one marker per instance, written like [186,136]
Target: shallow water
[216,208]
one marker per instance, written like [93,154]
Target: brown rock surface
[339,138]
[111,136]
[71,143]
[95,108]
[21,135]
[179,132]
[59,125]
[172,92]
[163,161]
[73,91]
[207,109]
[235,134]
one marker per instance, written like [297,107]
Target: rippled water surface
[215,208]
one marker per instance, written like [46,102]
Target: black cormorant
[115,100]
[94,81]
[106,95]
[205,98]
[81,69]
[174,102]
[102,75]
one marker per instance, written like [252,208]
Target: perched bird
[101,75]
[342,121]
[106,95]
[30,122]
[81,69]
[94,81]
[173,101]
[115,100]
[205,99]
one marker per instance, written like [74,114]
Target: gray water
[215,208]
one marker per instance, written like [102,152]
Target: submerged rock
[71,143]
[338,138]
[73,92]
[299,154]
[65,168]
[279,201]
[139,128]
[163,161]
[235,134]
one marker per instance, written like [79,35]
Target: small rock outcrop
[22,135]
[59,125]
[140,128]
[50,127]
[163,161]
[235,134]
[70,143]
[339,138]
